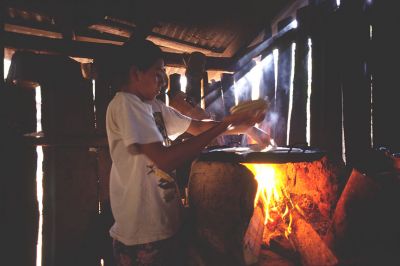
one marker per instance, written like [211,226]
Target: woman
[144,197]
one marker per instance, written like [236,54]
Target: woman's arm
[261,137]
[169,158]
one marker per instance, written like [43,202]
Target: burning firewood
[253,237]
[313,250]
[365,226]
[303,239]
[283,217]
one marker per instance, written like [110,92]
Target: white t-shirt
[145,201]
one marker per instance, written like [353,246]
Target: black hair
[139,53]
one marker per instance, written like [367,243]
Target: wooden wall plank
[386,91]
[300,81]
[67,99]
[284,84]
[331,138]
[243,86]
[104,93]
[70,201]
[228,91]
[282,94]
[267,90]
[317,87]
[326,103]
[227,81]
[18,203]
[214,101]
[76,227]
[267,83]
[355,82]
[70,180]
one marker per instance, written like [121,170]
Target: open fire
[273,199]
[279,206]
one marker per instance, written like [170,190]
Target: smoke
[258,80]
[273,118]
[259,83]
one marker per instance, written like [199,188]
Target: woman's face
[151,81]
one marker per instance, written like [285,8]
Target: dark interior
[328,68]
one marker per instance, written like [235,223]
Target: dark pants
[168,252]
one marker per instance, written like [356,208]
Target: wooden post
[282,94]
[227,81]
[243,86]
[326,99]
[267,90]
[356,84]
[267,83]
[283,87]
[386,95]
[300,83]
[18,202]
[174,84]
[71,180]
[20,209]
[228,91]
[104,93]
[195,72]
[63,85]
[214,101]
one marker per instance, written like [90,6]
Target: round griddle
[270,155]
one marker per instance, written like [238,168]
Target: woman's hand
[242,121]
[262,138]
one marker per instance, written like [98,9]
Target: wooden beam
[240,42]
[93,50]
[58,46]
[32,31]
[283,36]
[82,38]
[212,63]
[180,45]
[119,31]
[37,36]
[159,39]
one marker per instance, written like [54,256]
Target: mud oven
[274,206]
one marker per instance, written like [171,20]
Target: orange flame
[272,196]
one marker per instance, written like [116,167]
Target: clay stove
[270,205]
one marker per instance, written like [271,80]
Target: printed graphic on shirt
[161,127]
[165,182]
